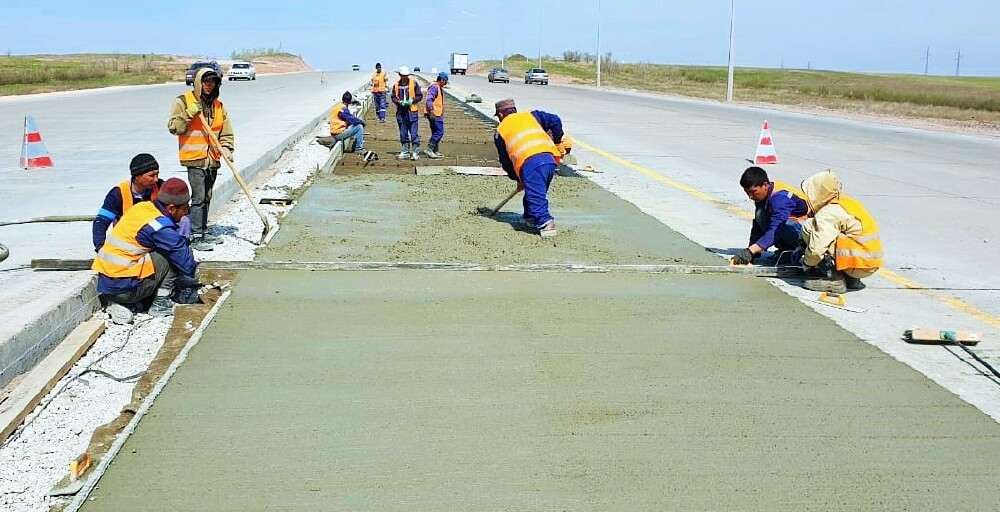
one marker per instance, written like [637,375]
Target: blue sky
[873,35]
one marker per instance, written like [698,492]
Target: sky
[850,35]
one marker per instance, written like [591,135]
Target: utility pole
[598,43]
[927,60]
[732,44]
[958,62]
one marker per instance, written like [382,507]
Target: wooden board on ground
[430,170]
[36,383]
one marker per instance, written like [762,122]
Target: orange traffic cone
[765,148]
[33,152]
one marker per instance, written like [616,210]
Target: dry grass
[42,73]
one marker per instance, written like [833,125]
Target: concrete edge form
[95,477]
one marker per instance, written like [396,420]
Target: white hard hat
[404,70]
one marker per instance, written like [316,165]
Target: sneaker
[432,154]
[853,283]
[119,314]
[835,284]
[162,306]
[199,243]
[548,230]
[415,155]
[403,155]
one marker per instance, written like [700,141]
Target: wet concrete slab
[435,390]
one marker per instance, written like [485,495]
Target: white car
[242,71]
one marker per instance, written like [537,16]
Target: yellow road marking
[889,275]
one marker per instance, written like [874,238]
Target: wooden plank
[430,170]
[36,383]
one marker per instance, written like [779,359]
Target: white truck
[459,63]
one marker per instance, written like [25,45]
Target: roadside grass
[34,74]
[969,100]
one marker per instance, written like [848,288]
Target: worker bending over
[146,259]
[406,95]
[842,244]
[144,186]
[202,160]
[344,125]
[435,114]
[529,154]
[380,84]
[779,209]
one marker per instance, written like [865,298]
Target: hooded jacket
[828,221]
[179,120]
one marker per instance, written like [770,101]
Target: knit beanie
[504,106]
[142,163]
[174,191]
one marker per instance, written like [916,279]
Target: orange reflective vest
[337,125]
[194,143]
[122,255]
[410,93]
[858,250]
[780,187]
[379,83]
[438,103]
[524,139]
[125,188]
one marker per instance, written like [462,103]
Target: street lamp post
[732,43]
[598,43]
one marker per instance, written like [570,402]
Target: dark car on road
[189,76]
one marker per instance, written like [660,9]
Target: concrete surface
[92,135]
[430,390]
[679,160]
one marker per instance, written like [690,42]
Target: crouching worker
[145,261]
[842,244]
[779,209]
[345,126]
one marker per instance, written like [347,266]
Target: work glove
[193,109]
[743,257]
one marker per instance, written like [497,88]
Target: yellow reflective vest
[125,188]
[411,94]
[337,125]
[379,83]
[194,143]
[524,139]
[438,103]
[858,250]
[122,255]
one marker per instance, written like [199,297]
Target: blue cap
[443,76]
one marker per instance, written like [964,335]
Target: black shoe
[853,283]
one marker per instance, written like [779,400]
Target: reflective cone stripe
[34,155]
[765,153]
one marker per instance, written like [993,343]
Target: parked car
[242,71]
[536,76]
[498,75]
[189,75]
[356,67]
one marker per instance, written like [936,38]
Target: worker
[196,153]
[779,209]
[435,114]
[527,148]
[344,125]
[406,95]
[379,84]
[145,258]
[842,244]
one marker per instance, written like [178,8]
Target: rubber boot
[415,152]
[199,243]
[162,304]
[853,283]
[548,230]
[404,152]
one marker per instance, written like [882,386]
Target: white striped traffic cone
[33,152]
[765,147]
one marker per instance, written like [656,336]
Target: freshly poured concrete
[431,390]
[439,218]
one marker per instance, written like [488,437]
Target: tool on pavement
[4,252]
[236,175]
[836,300]
[502,203]
[937,337]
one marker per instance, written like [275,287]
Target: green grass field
[966,99]
[41,73]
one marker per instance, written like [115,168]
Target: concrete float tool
[5,252]
[236,175]
[961,339]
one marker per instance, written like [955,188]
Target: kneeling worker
[841,237]
[344,125]
[779,210]
[529,155]
[145,257]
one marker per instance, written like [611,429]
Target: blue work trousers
[437,131]
[536,181]
[409,128]
[380,104]
[788,236]
[358,132]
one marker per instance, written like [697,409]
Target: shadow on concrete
[515,220]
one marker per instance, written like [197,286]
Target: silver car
[498,75]
[536,76]
[242,71]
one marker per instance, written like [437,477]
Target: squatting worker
[144,186]
[344,125]
[406,95]
[380,84]
[842,244]
[202,160]
[145,258]
[434,105]
[529,154]
[779,209]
